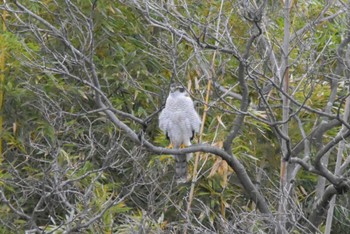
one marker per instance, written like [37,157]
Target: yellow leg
[171,146]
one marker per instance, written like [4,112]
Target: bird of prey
[179,121]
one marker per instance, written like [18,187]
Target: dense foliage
[82,85]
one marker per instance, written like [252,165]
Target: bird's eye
[182,90]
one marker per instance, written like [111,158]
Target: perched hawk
[179,121]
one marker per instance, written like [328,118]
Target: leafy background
[65,165]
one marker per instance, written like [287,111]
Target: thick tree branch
[237,124]
[317,216]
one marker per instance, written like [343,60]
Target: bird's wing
[164,120]
[195,120]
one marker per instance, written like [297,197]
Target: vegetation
[82,84]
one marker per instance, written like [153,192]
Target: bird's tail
[181,168]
